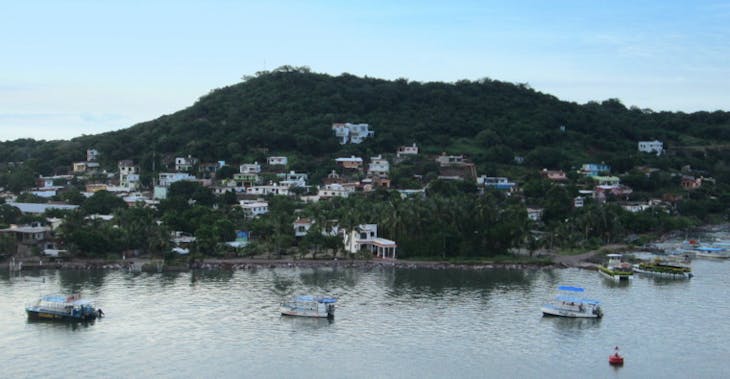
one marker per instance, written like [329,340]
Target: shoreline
[234,264]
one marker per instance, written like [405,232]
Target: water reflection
[72,281]
[304,323]
[57,324]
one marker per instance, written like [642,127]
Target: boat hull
[548,310]
[659,274]
[608,274]
[305,313]
[40,314]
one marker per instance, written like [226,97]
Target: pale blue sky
[69,68]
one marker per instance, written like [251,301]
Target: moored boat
[63,307]
[565,305]
[616,269]
[309,306]
[715,252]
[665,268]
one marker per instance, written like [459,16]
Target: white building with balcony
[651,147]
[352,133]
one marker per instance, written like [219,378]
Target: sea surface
[389,323]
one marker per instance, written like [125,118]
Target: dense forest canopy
[290,110]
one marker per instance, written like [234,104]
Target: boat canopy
[577,300]
[310,298]
[707,248]
[570,288]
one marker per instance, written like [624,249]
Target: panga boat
[616,269]
[63,307]
[309,306]
[565,305]
[665,268]
[712,252]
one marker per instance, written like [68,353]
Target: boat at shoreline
[62,308]
[309,306]
[616,269]
[711,252]
[665,268]
[564,305]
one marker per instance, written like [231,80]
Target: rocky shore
[147,265]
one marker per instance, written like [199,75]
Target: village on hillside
[51,208]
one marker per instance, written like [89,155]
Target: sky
[69,68]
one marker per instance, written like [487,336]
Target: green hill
[290,111]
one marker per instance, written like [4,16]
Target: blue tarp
[570,288]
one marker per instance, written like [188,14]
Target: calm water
[403,323]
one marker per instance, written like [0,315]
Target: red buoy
[615,359]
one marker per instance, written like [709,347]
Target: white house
[407,151]
[352,133]
[253,208]
[128,174]
[185,164]
[92,155]
[651,147]
[277,161]
[365,237]
[378,166]
[293,179]
[250,168]
[534,214]
[302,226]
[334,190]
[271,189]
[167,178]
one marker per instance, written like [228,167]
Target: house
[254,208]
[185,164]
[651,147]
[450,160]
[92,155]
[690,182]
[28,237]
[593,169]
[498,183]
[534,214]
[407,151]
[364,237]
[578,202]
[293,179]
[554,175]
[601,191]
[208,169]
[606,180]
[167,178]
[302,226]
[56,181]
[95,187]
[378,166]
[271,189]
[250,168]
[352,133]
[455,167]
[333,178]
[88,167]
[333,190]
[246,179]
[277,161]
[352,162]
[128,174]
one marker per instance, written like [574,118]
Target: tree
[102,202]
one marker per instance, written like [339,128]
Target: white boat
[309,306]
[665,268]
[616,269]
[715,252]
[565,305]
[63,307]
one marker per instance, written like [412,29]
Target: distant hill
[289,111]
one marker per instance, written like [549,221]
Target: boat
[309,306]
[565,305]
[665,268]
[63,308]
[711,252]
[616,269]
[616,359]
